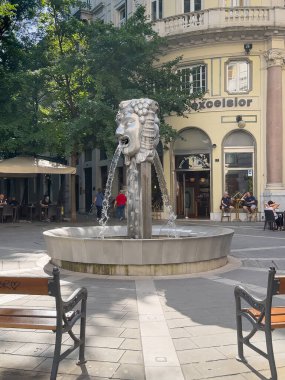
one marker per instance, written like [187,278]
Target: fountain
[139,248]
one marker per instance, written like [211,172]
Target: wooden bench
[262,316]
[60,320]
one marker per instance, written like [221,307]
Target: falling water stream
[171,230]
[106,202]
[133,194]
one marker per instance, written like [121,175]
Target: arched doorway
[192,153]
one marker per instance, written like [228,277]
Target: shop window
[192,5]
[156,10]
[193,79]
[237,80]
[239,174]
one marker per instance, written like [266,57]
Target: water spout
[106,202]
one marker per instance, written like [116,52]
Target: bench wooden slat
[282,284]
[277,316]
[259,320]
[38,313]
[27,322]
[52,318]
[24,285]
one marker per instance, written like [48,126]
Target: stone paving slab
[179,328]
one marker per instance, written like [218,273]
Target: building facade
[234,50]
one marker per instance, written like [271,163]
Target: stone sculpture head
[138,129]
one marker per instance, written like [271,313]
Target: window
[156,10]
[238,76]
[192,5]
[122,14]
[237,3]
[88,155]
[193,79]
[239,163]
[103,155]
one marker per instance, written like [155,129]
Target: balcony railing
[221,18]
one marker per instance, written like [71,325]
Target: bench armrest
[77,296]
[242,293]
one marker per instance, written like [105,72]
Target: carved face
[129,133]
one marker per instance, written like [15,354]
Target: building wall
[212,37]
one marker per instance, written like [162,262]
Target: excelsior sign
[223,103]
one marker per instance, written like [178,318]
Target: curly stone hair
[147,110]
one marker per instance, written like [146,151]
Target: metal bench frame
[262,316]
[61,320]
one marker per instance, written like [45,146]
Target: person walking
[98,200]
[120,204]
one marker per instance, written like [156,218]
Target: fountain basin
[197,249]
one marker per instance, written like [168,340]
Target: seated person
[278,217]
[44,203]
[3,200]
[13,202]
[249,202]
[226,202]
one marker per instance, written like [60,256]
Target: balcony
[249,17]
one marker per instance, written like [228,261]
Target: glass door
[193,194]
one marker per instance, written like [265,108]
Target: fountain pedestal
[198,249]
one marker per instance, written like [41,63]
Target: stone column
[274,121]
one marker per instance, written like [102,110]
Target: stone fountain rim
[223,231]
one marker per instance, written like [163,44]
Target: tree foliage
[60,90]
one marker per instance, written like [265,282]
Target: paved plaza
[180,328]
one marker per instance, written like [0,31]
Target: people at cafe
[270,205]
[249,203]
[226,202]
[13,201]
[3,200]
[44,203]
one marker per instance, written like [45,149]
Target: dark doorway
[193,197]
[88,188]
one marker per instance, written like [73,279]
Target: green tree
[62,88]
[124,64]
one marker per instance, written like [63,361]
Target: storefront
[192,153]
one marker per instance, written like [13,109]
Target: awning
[19,166]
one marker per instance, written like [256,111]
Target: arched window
[192,139]
[239,162]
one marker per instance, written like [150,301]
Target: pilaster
[274,118]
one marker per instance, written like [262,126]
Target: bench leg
[270,353]
[239,330]
[56,355]
[82,334]
[240,339]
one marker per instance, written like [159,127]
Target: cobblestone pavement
[145,328]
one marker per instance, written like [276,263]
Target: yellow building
[233,50]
